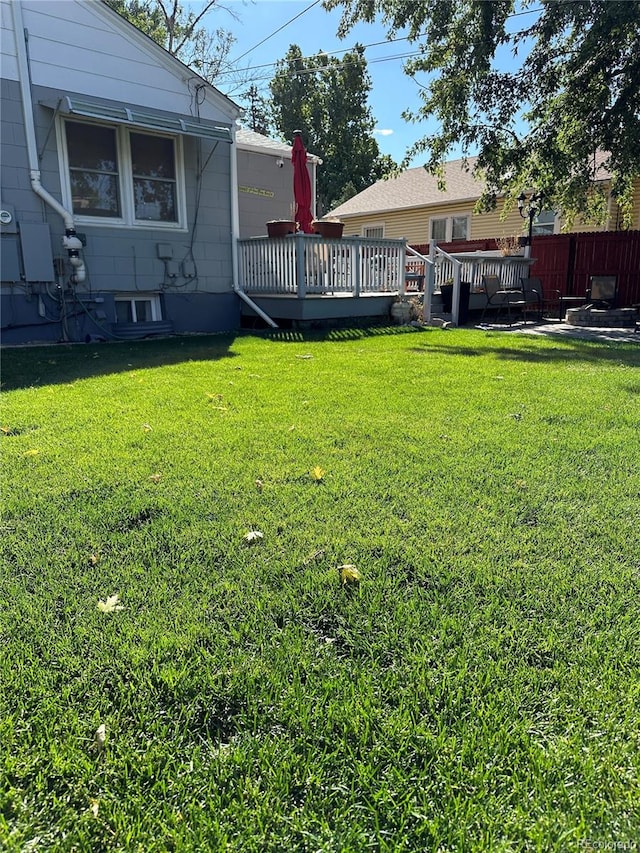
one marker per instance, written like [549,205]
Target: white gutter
[70,241]
[235,234]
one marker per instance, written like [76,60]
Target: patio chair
[499,298]
[542,299]
[603,291]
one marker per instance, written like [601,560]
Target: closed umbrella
[301,184]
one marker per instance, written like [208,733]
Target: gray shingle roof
[415,188]
[252,141]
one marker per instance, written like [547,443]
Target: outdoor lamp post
[530,208]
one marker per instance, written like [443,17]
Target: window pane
[544,222]
[439,229]
[93,169]
[374,233]
[124,313]
[143,311]
[154,187]
[152,156]
[459,228]
[155,200]
[91,147]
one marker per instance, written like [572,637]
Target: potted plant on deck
[328,226]
[281,227]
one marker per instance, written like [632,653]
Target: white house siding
[76,49]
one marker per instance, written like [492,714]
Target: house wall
[414,224]
[194,287]
[265,190]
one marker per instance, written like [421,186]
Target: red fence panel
[565,262]
[609,253]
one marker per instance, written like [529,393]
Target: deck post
[355,267]
[301,285]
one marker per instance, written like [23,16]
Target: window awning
[148,120]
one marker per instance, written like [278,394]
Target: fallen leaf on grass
[31,452]
[111,605]
[147,428]
[317,473]
[349,574]
[100,737]
[253,536]
[307,355]
[317,555]
[155,478]
[94,558]
[259,485]
[6,430]
[94,805]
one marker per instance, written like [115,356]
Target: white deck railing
[307,264]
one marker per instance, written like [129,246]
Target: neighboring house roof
[415,188]
[418,188]
[249,140]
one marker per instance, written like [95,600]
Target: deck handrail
[303,265]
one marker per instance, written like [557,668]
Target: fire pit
[607,318]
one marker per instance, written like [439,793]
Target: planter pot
[328,229]
[401,312]
[281,227]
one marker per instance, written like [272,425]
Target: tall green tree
[539,119]
[326,98]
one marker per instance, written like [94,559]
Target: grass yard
[478,690]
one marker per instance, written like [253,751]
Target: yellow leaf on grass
[94,806]
[32,452]
[94,558]
[146,428]
[155,478]
[6,430]
[317,473]
[259,485]
[110,605]
[349,574]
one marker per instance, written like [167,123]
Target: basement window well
[138,309]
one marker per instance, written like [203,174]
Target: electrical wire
[344,50]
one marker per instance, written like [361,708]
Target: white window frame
[536,225]
[449,226]
[370,226]
[125,179]
[132,298]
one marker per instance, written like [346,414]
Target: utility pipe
[235,235]
[70,241]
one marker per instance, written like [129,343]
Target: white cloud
[383,131]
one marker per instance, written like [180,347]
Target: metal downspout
[29,125]
[235,236]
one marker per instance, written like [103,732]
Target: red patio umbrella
[301,184]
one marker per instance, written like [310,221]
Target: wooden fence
[565,262]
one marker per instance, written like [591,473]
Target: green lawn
[478,690]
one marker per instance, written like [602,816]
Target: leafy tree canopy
[568,105]
[326,98]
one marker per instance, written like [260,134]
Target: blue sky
[315,30]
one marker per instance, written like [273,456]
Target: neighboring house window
[374,232]
[445,229]
[544,223]
[137,309]
[124,176]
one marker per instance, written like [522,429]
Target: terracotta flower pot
[281,227]
[327,228]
